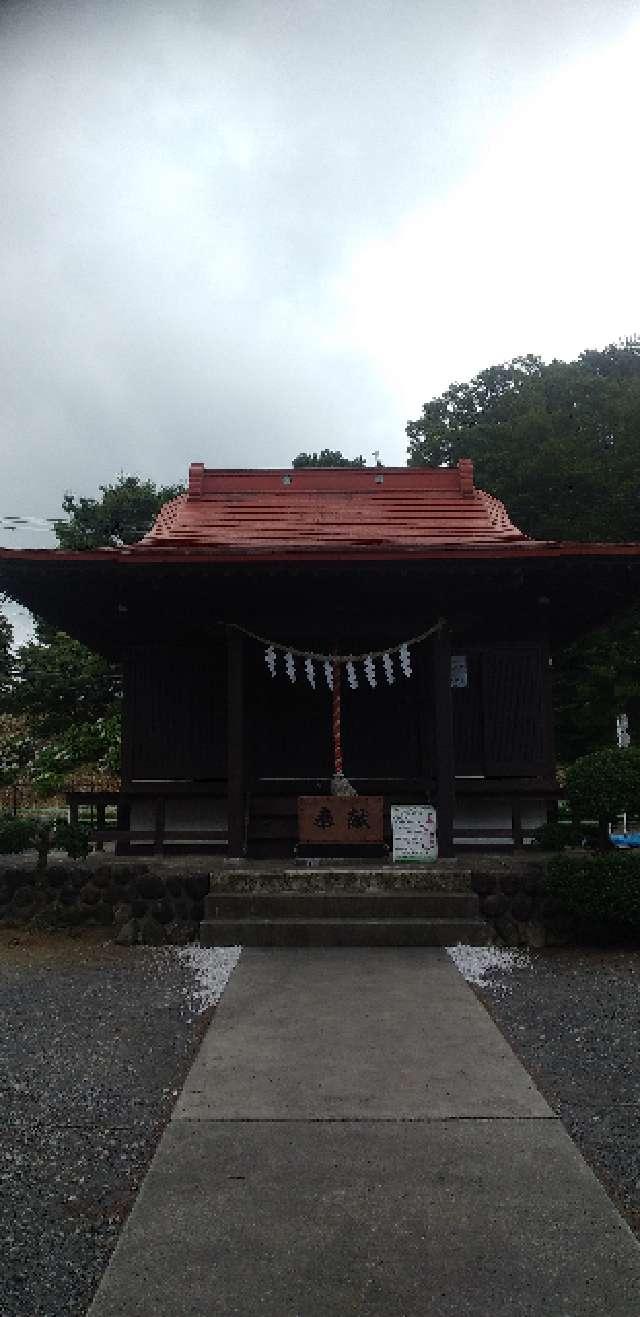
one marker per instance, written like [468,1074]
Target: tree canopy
[327,457]
[123,514]
[6,640]
[60,703]
[558,443]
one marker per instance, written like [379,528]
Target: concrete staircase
[343,908]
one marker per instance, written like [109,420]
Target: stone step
[343,932]
[427,878]
[341,905]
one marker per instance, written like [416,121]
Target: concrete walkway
[356,1136]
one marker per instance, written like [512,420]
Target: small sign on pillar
[415,838]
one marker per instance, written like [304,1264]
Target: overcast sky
[231,230]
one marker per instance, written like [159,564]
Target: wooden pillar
[235,742]
[443,738]
[123,847]
[100,820]
[158,828]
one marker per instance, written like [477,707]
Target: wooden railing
[143,839]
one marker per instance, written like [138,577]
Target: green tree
[123,514]
[327,457]
[560,445]
[6,641]
[67,699]
[59,684]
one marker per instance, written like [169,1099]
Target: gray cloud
[183,186]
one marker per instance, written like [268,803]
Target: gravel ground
[573,1019]
[95,1043]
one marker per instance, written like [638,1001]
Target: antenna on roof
[376,454]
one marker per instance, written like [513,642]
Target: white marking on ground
[477,964]
[210,969]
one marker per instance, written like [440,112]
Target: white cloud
[534,251]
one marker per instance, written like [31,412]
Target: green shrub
[556,836]
[16,833]
[43,833]
[72,838]
[597,889]
[603,785]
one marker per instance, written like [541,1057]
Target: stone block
[102,913]
[162,911]
[483,883]
[522,908]
[180,932]
[536,935]
[197,885]
[151,932]
[127,936]
[533,882]
[508,931]
[494,905]
[23,896]
[150,887]
[89,894]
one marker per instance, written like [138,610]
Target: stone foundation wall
[148,902]
[515,903]
[153,907]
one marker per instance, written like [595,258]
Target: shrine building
[278,629]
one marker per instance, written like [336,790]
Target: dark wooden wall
[175,724]
[175,718]
[289,724]
[502,719]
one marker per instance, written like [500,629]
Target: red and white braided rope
[336,720]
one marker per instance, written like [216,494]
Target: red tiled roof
[339,509]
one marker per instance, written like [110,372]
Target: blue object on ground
[625,839]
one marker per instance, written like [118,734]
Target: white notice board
[414,833]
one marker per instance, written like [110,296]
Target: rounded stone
[197,885]
[162,911]
[180,932]
[533,882]
[122,913]
[23,896]
[127,936]
[522,908]
[508,930]
[151,932]
[510,884]
[89,894]
[495,905]
[483,883]
[150,887]
[102,913]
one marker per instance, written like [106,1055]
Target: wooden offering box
[340,820]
